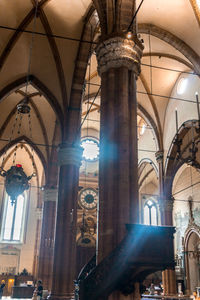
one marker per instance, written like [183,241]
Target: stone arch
[84,52]
[146,116]
[144,173]
[193,228]
[192,233]
[172,164]
[174,41]
[30,143]
[148,160]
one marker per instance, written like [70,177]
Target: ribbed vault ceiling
[170,30]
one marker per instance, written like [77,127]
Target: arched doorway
[192,258]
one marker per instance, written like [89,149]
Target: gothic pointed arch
[31,144]
[149,119]
[174,41]
[20,82]
[172,164]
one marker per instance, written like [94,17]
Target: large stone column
[37,241]
[168,276]
[159,158]
[166,211]
[169,282]
[69,158]
[118,65]
[45,261]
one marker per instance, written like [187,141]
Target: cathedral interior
[100,148]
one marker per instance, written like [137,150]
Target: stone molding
[69,154]
[119,52]
[192,227]
[50,195]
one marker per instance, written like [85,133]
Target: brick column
[168,276]
[166,211]
[69,158]
[47,237]
[118,65]
[166,214]
[169,282]
[159,159]
[37,241]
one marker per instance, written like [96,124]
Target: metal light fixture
[16,180]
[23,107]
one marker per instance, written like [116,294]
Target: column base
[69,296]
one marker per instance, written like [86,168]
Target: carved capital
[159,156]
[69,154]
[119,52]
[50,194]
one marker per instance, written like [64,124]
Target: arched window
[13,219]
[150,213]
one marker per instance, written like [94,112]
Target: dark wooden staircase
[144,250]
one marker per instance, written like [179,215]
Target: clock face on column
[88,198]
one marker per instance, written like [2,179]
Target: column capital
[50,194]
[119,52]
[69,154]
[159,156]
[167,205]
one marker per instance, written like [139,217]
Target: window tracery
[13,220]
[150,213]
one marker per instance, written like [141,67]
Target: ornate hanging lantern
[16,181]
[23,107]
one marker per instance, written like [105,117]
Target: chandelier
[16,180]
[188,154]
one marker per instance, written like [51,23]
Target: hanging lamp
[16,180]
